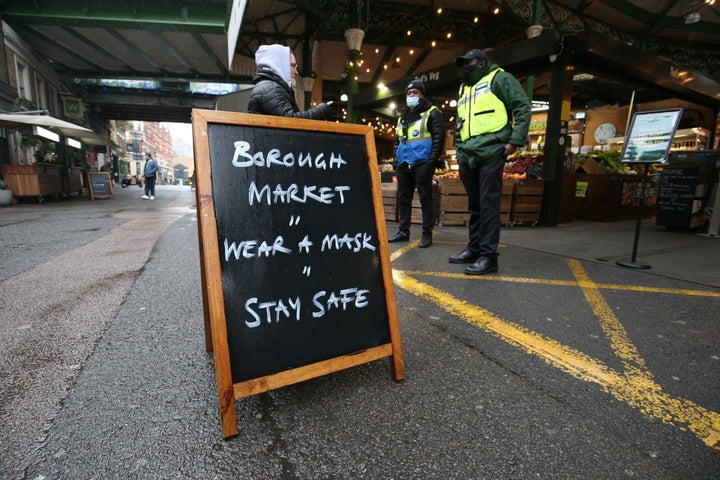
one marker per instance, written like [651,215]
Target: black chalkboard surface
[677,192]
[295,260]
[100,185]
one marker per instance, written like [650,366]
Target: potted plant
[5,193]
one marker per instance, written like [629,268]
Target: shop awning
[61,127]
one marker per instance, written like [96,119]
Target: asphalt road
[561,366]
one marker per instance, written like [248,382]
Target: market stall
[590,87]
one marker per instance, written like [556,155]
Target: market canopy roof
[61,127]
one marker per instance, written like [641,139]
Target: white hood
[275,58]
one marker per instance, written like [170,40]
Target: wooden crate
[506,200]
[389,195]
[416,212]
[451,186]
[527,201]
[453,202]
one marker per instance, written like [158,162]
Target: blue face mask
[412,102]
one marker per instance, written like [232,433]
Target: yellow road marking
[564,283]
[619,341]
[634,387]
[397,253]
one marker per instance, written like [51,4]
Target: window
[23,81]
[40,93]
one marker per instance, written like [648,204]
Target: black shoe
[482,266]
[426,240]
[466,256]
[400,237]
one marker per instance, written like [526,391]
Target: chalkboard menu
[684,191]
[100,185]
[296,267]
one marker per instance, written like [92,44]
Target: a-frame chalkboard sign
[295,265]
[100,185]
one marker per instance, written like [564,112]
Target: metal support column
[557,144]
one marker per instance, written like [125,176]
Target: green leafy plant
[3,185]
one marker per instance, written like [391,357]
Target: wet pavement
[563,365]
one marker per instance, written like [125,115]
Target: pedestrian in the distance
[419,141]
[493,121]
[275,81]
[150,173]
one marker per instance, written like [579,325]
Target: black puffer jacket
[271,96]
[435,125]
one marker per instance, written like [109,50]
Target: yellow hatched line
[567,283]
[614,330]
[633,387]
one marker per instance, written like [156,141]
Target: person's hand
[330,102]
[509,149]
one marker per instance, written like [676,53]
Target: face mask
[468,69]
[473,77]
[412,102]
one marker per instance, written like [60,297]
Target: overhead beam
[142,14]
[101,49]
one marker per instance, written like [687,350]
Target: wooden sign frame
[211,261]
[93,194]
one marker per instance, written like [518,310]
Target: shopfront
[46,156]
[586,88]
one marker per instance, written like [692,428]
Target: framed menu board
[650,136]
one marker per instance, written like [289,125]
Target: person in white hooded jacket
[274,92]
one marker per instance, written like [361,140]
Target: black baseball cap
[475,53]
[416,84]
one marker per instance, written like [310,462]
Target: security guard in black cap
[419,140]
[493,121]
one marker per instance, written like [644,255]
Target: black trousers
[484,189]
[420,177]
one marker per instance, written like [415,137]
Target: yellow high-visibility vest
[479,109]
[416,142]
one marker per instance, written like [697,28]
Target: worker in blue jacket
[419,141]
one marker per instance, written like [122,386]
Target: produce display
[610,161]
[520,166]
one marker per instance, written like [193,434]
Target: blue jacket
[151,167]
